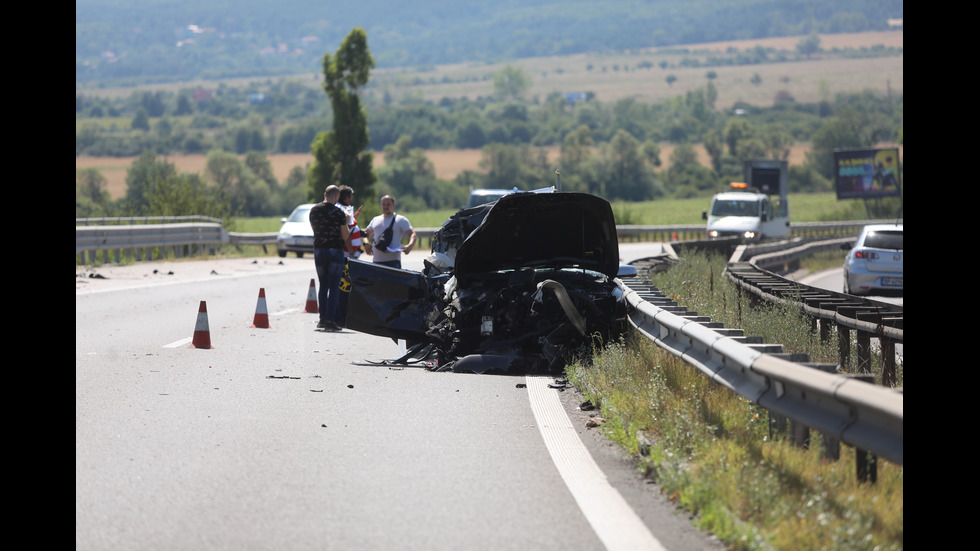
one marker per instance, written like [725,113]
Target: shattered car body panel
[523,283]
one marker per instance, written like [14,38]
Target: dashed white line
[181,342]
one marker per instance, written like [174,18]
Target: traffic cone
[202,335]
[311,299]
[261,313]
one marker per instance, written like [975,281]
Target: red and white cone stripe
[261,312]
[311,307]
[202,335]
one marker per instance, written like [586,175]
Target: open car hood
[558,230]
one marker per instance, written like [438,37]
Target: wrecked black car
[524,283]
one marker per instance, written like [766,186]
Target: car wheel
[282,253]
[298,255]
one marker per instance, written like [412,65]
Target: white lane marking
[613,520]
[181,342]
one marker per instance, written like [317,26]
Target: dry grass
[614,75]
[448,163]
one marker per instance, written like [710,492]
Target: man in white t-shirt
[401,228]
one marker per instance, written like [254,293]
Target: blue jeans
[329,268]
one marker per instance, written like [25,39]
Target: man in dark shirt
[330,235]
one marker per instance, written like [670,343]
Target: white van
[750,216]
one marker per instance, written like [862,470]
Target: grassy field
[818,207]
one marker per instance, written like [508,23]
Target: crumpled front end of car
[525,284]
[531,320]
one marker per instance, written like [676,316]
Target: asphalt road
[289,438]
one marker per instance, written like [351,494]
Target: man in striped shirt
[344,201]
[351,250]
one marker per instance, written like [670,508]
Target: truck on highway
[753,210]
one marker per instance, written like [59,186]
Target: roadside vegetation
[712,453]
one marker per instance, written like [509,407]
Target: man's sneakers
[328,326]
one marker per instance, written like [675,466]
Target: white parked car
[296,234]
[874,264]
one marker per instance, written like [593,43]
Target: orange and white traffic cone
[311,307]
[261,312]
[202,335]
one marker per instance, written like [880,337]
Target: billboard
[866,173]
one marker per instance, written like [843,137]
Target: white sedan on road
[874,265]
[296,234]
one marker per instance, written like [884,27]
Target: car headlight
[749,235]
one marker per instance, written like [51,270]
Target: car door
[387,302]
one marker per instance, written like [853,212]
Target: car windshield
[884,240]
[738,207]
[300,215]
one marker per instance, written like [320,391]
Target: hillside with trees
[119,41]
[611,148]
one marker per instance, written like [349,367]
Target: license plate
[891,281]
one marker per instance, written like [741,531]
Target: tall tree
[340,156]
[809,45]
[142,175]
[510,83]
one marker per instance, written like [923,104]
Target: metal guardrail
[867,317]
[139,235]
[142,239]
[130,220]
[863,415]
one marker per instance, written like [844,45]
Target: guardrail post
[888,377]
[867,466]
[864,351]
[799,434]
[777,425]
[824,330]
[866,463]
[844,346]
